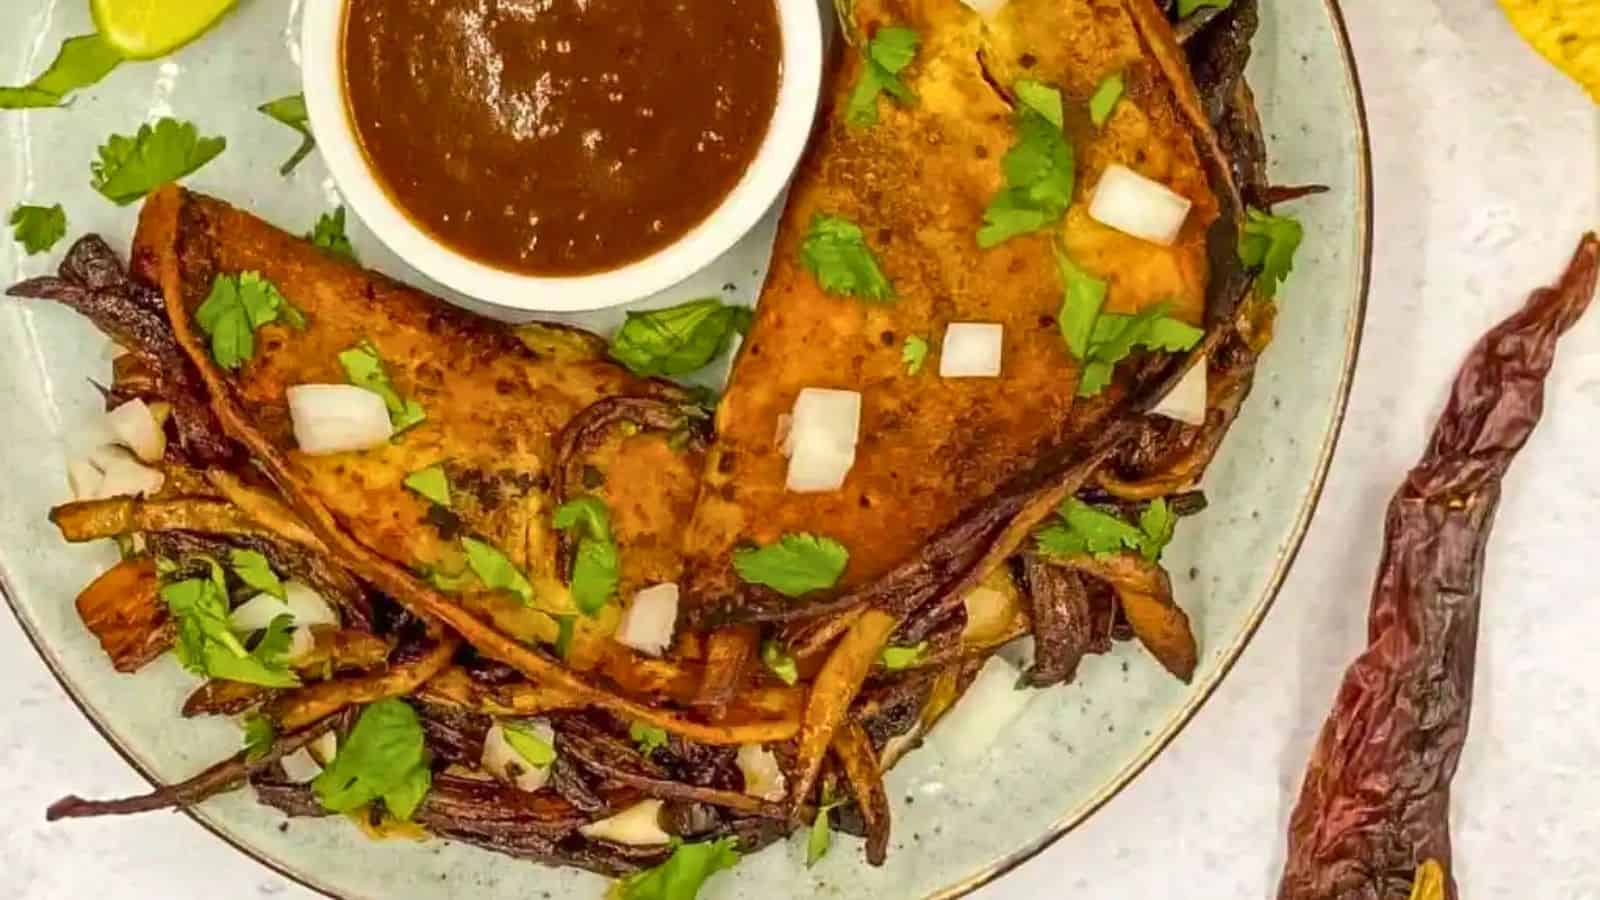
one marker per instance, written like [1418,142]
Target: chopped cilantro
[779,661]
[496,570]
[253,569]
[1038,170]
[364,368]
[1105,99]
[914,354]
[206,644]
[259,733]
[897,658]
[431,483]
[529,743]
[648,737]
[38,228]
[291,111]
[821,833]
[1269,243]
[883,58]
[797,564]
[1189,7]
[1101,340]
[565,624]
[595,570]
[383,758]
[81,62]
[1082,528]
[679,339]
[131,167]
[237,306]
[682,875]
[329,234]
[835,251]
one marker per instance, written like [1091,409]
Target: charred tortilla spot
[449,524]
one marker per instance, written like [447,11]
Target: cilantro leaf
[383,758]
[1158,523]
[1101,340]
[237,306]
[329,234]
[1189,7]
[131,167]
[81,62]
[821,834]
[1269,243]
[648,737]
[206,644]
[797,564]
[835,251]
[1082,298]
[38,228]
[253,569]
[291,111]
[779,661]
[259,733]
[914,354]
[897,658]
[1039,169]
[1105,99]
[565,623]
[364,368]
[595,570]
[885,55]
[1042,99]
[431,483]
[679,339]
[496,570]
[1082,528]
[682,875]
[529,743]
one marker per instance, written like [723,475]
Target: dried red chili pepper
[1375,803]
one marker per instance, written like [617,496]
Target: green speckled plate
[1069,752]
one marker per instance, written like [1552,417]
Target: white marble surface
[1487,168]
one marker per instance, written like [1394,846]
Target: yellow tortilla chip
[1566,32]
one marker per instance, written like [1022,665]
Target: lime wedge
[146,29]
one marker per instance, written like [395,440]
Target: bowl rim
[1136,766]
[763,181]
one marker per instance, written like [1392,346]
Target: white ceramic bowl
[322,67]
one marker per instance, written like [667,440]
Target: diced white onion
[84,479]
[983,713]
[1136,205]
[649,620]
[971,350]
[988,613]
[124,476]
[301,642]
[763,777]
[257,613]
[503,761]
[986,8]
[325,747]
[1186,402]
[337,418]
[637,826]
[825,427]
[137,429]
[307,606]
[300,766]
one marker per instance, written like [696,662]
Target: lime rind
[147,29]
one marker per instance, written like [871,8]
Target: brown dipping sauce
[560,137]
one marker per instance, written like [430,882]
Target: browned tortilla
[496,404]
[931,449]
